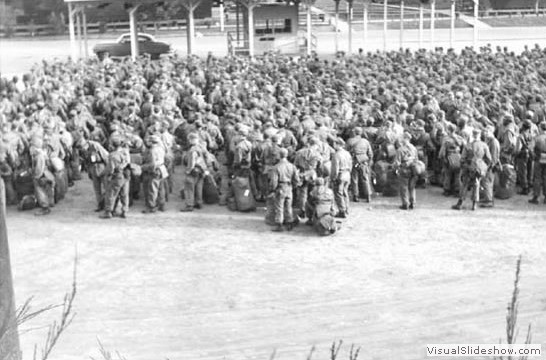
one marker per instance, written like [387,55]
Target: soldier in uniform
[195,163]
[96,157]
[44,181]
[242,160]
[406,155]
[475,160]
[488,180]
[340,177]
[524,159]
[306,161]
[117,179]
[539,153]
[362,154]
[450,156]
[283,178]
[154,173]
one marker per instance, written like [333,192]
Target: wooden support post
[309,28]
[350,20]
[9,338]
[476,9]
[72,32]
[85,42]
[452,25]
[336,40]
[432,19]
[134,32]
[420,25]
[401,24]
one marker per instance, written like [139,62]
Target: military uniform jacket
[405,156]
[284,174]
[476,157]
[97,157]
[360,149]
[117,162]
[341,162]
[153,160]
[540,148]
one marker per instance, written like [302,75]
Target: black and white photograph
[272,179]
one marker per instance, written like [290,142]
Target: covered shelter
[77,23]
[269,25]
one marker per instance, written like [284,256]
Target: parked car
[122,47]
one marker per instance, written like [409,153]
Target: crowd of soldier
[302,133]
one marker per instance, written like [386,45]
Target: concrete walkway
[472,21]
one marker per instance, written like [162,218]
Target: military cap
[283,153]
[319,181]
[357,130]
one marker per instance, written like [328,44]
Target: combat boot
[534,200]
[106,215]
[278,228]
[458,205]
[42,212]
[473,205]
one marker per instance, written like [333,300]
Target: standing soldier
[340,177]
[488,180]
[283,177]
[242,160]
[539,152]
[474,161]
[524,159]
[96,157]
[406,155]
[117,179]
[194,161]
[450,156]
[154,173]
[306,161]
[361,151]
[507,140]
[44,181]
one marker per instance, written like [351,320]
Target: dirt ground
[214,284]
[219,285]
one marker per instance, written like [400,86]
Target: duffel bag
[505,182]
[244,199]
[210,190]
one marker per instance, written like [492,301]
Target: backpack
[505,182]
[326,225]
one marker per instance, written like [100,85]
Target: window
[272,26]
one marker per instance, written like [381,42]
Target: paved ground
[17,56]
[219,285]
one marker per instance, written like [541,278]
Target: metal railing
[237,47]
